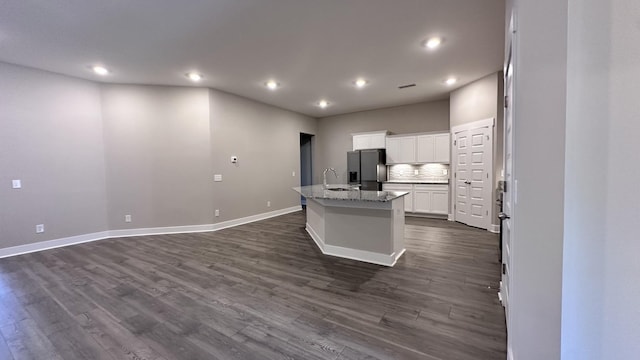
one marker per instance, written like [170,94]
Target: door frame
[486,123]
[506,278]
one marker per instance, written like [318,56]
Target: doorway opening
[306,163]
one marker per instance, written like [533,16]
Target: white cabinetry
[442,148]
[401,150]
[419,149]
[369,140]
[423,199]
[433,148]
[408,199]
[431,199]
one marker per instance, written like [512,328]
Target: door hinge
[487,212]
[504,269]
[487,175]
[455,142]
[506,101]
[487,137]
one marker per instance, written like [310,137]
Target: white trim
[488,123]
[79,239]
[494,228]
[509,354]
[316,238]
[161,230]
[360,255]
[450,217]
[353,254]
[253,218]
[52,244]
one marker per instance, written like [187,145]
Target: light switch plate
[39,228]
[16,184]
[217,177]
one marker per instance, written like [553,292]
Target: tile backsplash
[424,172]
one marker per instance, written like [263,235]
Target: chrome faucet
[324,176]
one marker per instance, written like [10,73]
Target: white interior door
[508,196]
[461,176]
[479,154]
[473,181]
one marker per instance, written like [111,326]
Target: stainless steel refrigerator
[367,168]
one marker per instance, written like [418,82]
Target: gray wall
[90,154]
[600,288]
[539,148]
[51,139]
[480,100]
[334,132]
[475,101]
[266,141]
[157,155]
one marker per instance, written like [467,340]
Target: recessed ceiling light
[194,76]
[272,85]
[100,70]
[323,104]
[433,43]
[450,81]
[360,83]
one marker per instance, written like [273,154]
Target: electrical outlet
[127,218]
[39,228]
[16,184]
[217,177]
[445,171]
[416,172]
[293,173]
[268,203]
[217,212]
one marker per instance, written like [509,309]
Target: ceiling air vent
[406,86]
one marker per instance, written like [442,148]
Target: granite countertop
[428,182]
[319,192]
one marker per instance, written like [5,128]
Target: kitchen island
[356,224]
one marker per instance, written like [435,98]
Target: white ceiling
[314,48]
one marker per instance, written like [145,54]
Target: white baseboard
[353,254]
[253,218]
[450,217]
[79,239]
[316,238]
[161,230]
[52,244]
[494,228]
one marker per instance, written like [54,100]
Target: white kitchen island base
[367,231]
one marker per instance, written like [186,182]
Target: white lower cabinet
[408,199]
[423,199]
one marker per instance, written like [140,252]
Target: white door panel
[473,153]
[507,200]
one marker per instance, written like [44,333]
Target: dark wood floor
[256,291]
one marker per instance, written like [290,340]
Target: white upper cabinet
[425,150]
[433,148]
[418,149]
[442,148]
[370,140]
[401,150]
